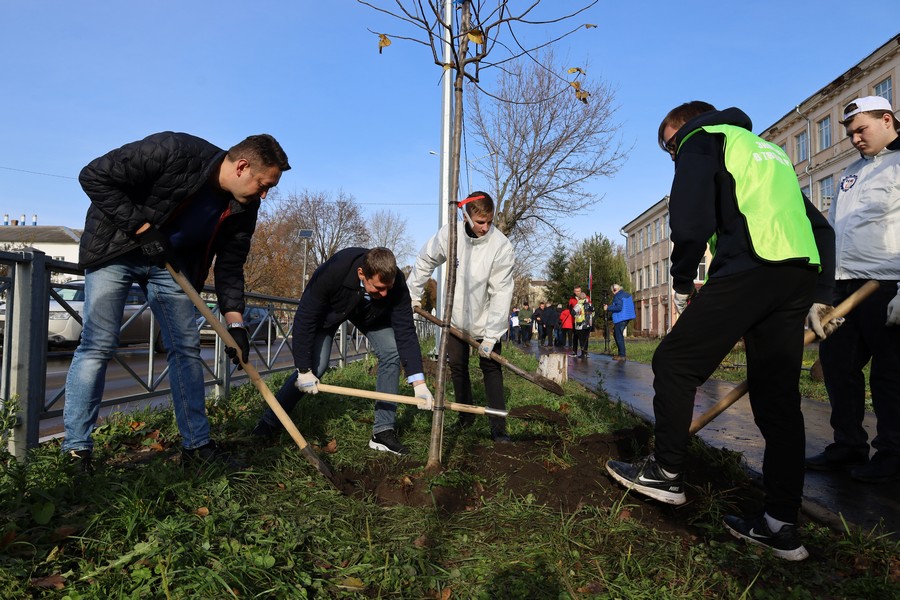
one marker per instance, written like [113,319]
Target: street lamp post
[305,235]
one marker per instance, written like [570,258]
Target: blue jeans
[619,335]
[383,344]
[105,289]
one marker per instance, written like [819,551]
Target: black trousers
[766,306]
[864,337]
[580,338]
[458,356]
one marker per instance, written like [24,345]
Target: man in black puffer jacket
[169,198]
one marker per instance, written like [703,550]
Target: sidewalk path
[827,496]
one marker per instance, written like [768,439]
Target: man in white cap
[866,220]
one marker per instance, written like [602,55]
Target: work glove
[156,247]
[307,382]
[487,346]
[416,304]
[681,302]
[243,342]
[814,320]
[893,310]
[424,394]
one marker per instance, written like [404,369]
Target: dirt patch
[566,475]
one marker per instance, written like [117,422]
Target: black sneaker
[264,430]
[500,438]
[785,543]
[81,461]
[207,455]
[883,468]
[387,441]
[837,456]
[646,477]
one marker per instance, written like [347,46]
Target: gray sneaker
[646,477]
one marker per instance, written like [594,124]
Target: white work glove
[893,310]
[814,320]
[424,394]
[487,346]
[681,301]
[307,382]
[416,304]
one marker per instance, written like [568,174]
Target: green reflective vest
[768,196]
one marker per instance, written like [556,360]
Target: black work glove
[156,247]
[243,341]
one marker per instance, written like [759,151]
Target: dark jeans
[458,356]
[581,338]
[864,337]
[526,332]
[619,335]
[767,306]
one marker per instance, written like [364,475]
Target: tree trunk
[437,422]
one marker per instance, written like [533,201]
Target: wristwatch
[238,325]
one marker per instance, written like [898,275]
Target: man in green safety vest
[773,256]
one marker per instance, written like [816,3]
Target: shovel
[385,397]
[852,301]
[544,382]
[251,371]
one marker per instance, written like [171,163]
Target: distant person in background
[539,321]
[525,324]
[622,311]
[773,257]
[514,327]
[550,317]
[566,326]
[866,219]
[582,314]
[171,198]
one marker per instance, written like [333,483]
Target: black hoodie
[702,202]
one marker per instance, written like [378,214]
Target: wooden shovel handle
[336,389]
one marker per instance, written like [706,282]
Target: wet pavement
[828,496]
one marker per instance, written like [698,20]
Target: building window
[665,272]
[885,90]
[802,145]
[805,190]
[701,269]
[824,127]
[665,226]
[656,273]
[640,279]
[633,243]
[783,147]
[826,192]
[649,235]
[658,230]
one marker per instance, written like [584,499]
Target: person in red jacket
[567,325]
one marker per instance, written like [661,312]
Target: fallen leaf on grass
[330,447]
[422,541]
[594,587]
[624,514]
[202,512]
[353,584]
[54,582]
[64,531]
[135,425]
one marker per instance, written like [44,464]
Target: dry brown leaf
[582,95]
[594,587]
[135,425]
[624,515]
[577,70]
[589,26]
[330,447]
[202,512]
[383,42]
[281,486]
[476,36]
[421,541]
[62,532]
[55,582]
[446,593]
[352,583]
[575,84]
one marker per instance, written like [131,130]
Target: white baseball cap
[865,104]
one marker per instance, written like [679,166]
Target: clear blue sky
[83,77]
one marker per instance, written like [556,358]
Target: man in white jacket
[866,220]
[484,288]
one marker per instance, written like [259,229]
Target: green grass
[143,527]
